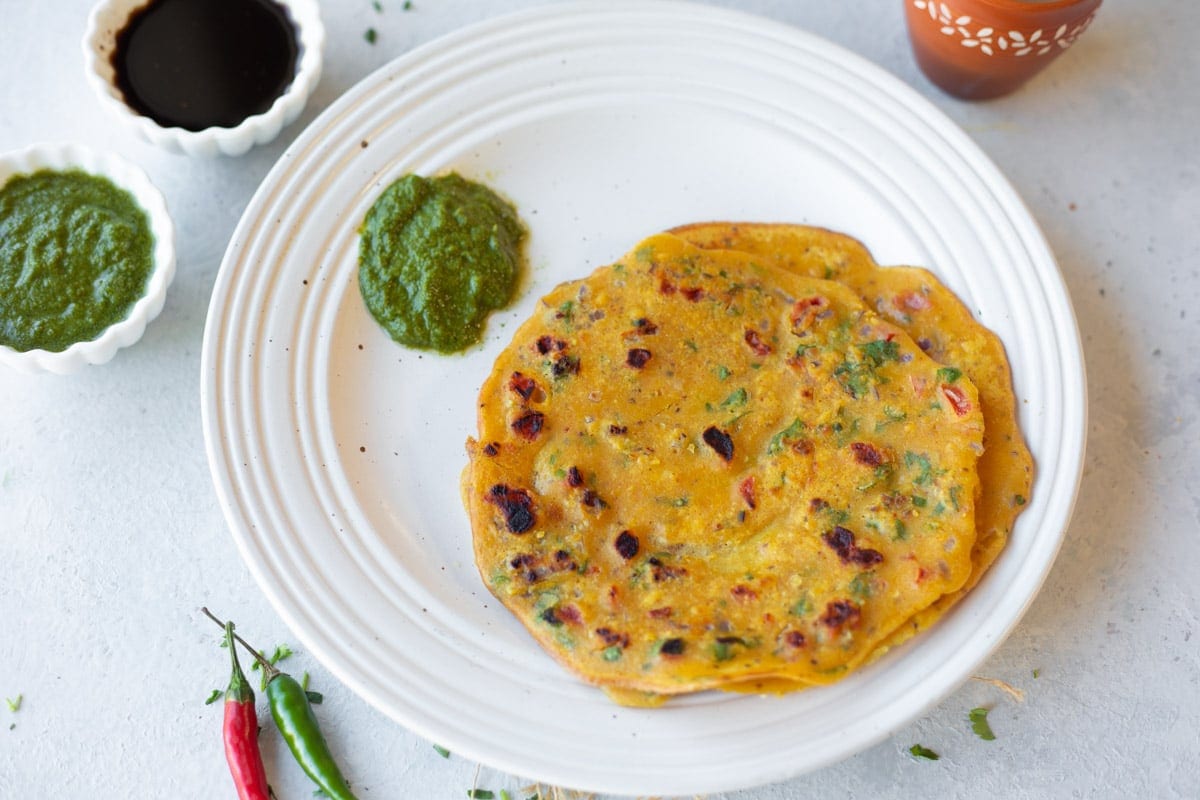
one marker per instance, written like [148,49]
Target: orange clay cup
[976,49]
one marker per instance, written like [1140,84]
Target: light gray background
[111,538]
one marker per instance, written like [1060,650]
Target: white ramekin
[120,334]
[100,41]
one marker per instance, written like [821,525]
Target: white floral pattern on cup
[989,40]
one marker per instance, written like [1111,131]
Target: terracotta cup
[976,49]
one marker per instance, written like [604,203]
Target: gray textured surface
[111,538]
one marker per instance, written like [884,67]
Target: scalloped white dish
[336,453]
[129,330]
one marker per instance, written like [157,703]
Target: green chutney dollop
[435,257]
[75,254]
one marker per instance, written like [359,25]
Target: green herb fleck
[801,607]
[721,651]
[901,531]
[408,6]
[304,681]
[441,751]
[14,703]
[979,724]
[723,372]
[949,374]
[370,36]
[862,585]
[736,399]
[790,432]
[1036,673]
[893,415]
[924,468]
[880,350]
[920,751]
[481,794]
[695,348]
[378,6]
[1019,499]
[918,501]
[316,698]
[504,795]
[214,697]
[955,491]
[612,653]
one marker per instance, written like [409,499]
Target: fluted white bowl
[129,330]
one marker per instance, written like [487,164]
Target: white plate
[336,453]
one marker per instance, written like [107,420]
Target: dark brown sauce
[199,64]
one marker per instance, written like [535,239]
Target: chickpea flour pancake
[695,469]
[915,300]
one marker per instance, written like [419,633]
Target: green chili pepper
[295,719]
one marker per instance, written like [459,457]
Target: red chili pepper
[241,732]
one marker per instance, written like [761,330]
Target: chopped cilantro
[862,585]
[14,703]
[955,491]
[919,501]
[316,698]
[735,399]
[612,653]
[441,751]
[802,607]
[1036,673]
[481,794]
[214,697]
[370,36]
[723,372]
[949,374]
[855,377]
[721,651]
[880,350]
[901,531]
[924,468]
[920,751]
[979,724]
[695,348]
[893,415]
[1019,499]
[790,432]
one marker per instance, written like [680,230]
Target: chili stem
[266,665]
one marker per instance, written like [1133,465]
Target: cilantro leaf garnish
[735,399]
[214,697]
[949,374]
[979,724]
[921,751]
[880,350]
[790,432]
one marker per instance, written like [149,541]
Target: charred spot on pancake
[550,616]
[692,293]
[613,638]
[867,454]
[565,365]
[515,504]
[672,647]
[666,287]
[529,424]
[719,441]
[664,572]
[842,541]
[756,343]
[742,592]
[618,430]
[817,505]
[548,344]
[663,612]
[491,449]
[626,545]
[574,477]
[593,501]
[794,639]
[642,327]
[637,357]
[841,614]
[523,385]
